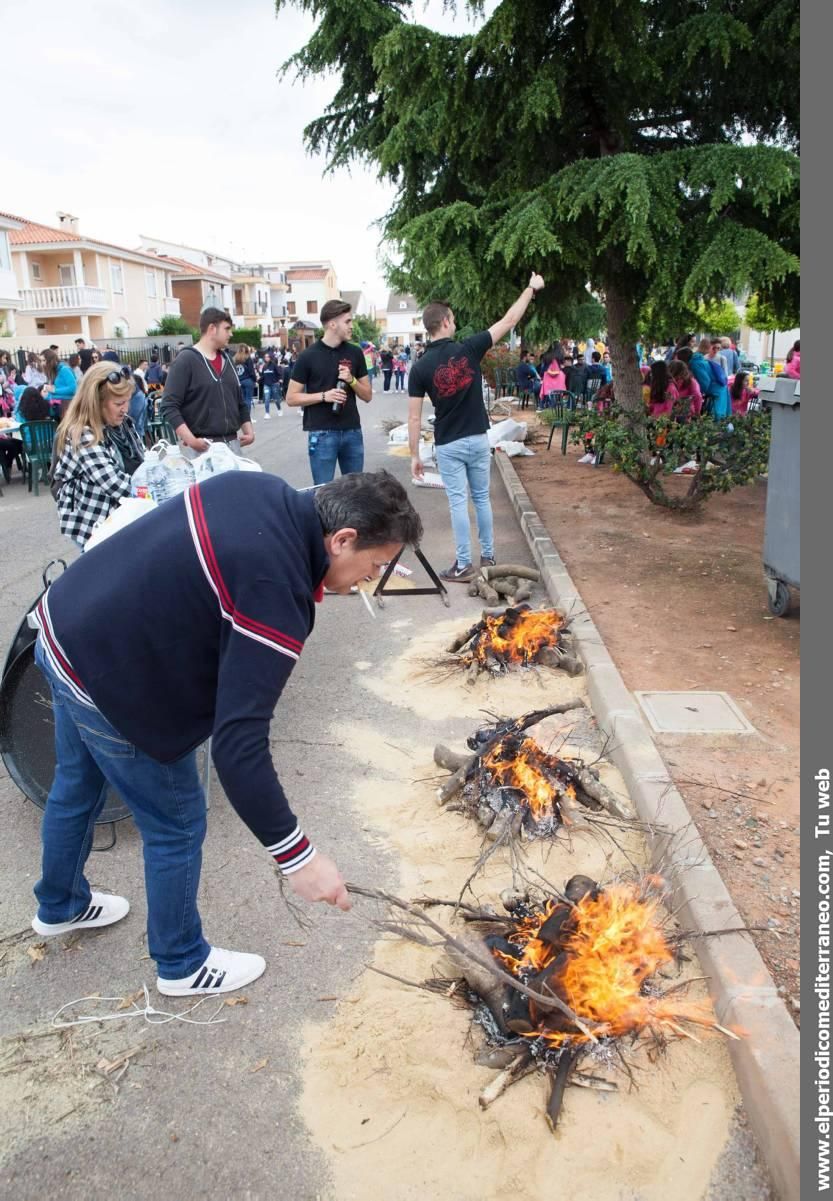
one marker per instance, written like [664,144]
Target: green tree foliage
[248,336]
[169,324]
[718,317]
[642,151]
[365,329]
[727,453]
[762,316]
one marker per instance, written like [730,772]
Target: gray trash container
[782,548]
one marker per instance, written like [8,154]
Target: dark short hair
[334,308]
[374,504]
[596,357]
[212,316]
[77,340]
[434,314]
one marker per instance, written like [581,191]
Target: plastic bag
[509,430]
[398,435]
[129,509]
[220,458]
[513,448]
[217,459]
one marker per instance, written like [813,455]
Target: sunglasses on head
[114,377]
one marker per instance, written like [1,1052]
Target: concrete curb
[743,992]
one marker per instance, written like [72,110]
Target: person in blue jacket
[60,382]
[185,625]
[722,402]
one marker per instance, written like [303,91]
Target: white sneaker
[223,971]
[103,910]
[280,412]
[586,458]
[267,416]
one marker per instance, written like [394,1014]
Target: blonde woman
[96,451]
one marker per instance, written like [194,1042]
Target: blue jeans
[328,447]
[247,387]
[468,461]
[272,392]
[168,805]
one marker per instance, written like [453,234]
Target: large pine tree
[644,149]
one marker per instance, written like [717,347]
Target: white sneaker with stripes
[223,971]
[103,910]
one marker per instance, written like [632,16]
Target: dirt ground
[681,603]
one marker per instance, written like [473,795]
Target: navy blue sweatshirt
[188,623]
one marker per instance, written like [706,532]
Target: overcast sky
[168,118]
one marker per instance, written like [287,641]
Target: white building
[359,303]
[217,268]
[9,292]
[402,321]
[71,285]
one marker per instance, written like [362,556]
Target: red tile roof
[12,217]
[186,268]
[34,234]
[307,273]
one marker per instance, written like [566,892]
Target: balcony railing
[172,308]
[255,308]
[76,299]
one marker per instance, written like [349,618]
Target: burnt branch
[482,959]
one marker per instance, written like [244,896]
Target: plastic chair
[591,387]
[37,438]
[562,405]
[159,430]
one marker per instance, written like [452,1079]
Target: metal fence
[129,350]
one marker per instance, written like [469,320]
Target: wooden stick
[483,959]
[461,639]
[520,1067]
[450,760]
[518,569]
[566,1064]
[456,781]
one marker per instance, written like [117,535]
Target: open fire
[516,637]
[588,969]
[510,784]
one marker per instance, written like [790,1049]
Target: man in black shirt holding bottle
[326,380]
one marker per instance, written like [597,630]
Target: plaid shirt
[92,481]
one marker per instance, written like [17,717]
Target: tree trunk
[623,351]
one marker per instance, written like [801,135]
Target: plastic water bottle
[149,478]
[178,473]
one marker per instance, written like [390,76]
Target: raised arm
[513,314]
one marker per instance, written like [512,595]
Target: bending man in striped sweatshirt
[184,626]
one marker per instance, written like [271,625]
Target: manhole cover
[693,713]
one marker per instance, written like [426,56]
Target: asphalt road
[191,1117]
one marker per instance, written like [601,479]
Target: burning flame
[525,770]
[519,641]
[614,947]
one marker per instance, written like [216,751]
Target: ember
[511,784]
[517,637]
[598,954]
[587,964]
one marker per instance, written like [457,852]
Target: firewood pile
[560,977]
[516,636]
[591,964]
[512,787]
[512,581]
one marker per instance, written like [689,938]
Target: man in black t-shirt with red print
[449,374]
